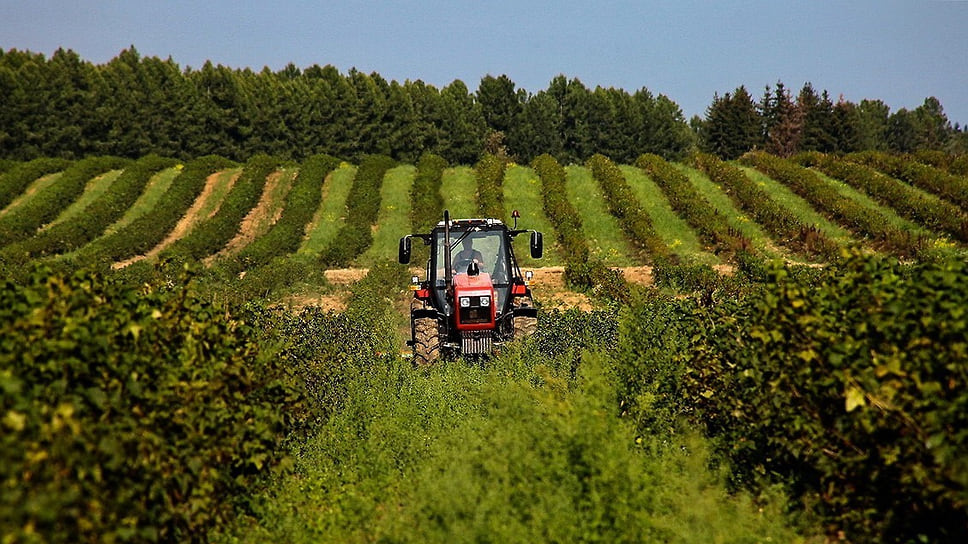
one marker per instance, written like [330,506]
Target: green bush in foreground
[130,414]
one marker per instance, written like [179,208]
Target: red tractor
[474,298]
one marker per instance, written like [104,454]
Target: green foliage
[145,232]
[822,195]
[626,208]
[847,387]
[426,202]
[362,209]
[212,233]
[17,178]
[132,414]
[691,205]
[489,173]
[951,187]
[783,225]
[732,125]
[72,233]
[24,221]
[925,209]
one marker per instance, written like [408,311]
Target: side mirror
[404,255]
[537,245]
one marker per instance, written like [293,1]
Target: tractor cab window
[486,249]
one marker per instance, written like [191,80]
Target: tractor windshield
[484,247]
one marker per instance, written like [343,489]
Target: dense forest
[64,106]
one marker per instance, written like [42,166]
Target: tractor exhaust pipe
[448,272]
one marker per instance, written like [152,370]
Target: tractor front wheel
[426,341]
[524,327]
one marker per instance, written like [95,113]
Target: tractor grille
[475,342]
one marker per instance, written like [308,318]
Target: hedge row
[362,210]
[784,226]
[73,233]
[690,204]
[929,211]
[822,195]
[212,234]
[489,173]
[20,175]
[959,166]
[301,203]
[43,207]
[623,204]
[7,164]
[929,178]
[426,202]
[148,230]
[850,389]
[137,414]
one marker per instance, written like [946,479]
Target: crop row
[625,207]
[819,193]
[76,231]
[489,173]
[362,210]
[426,202]
[148,230]
[784,226]
[302,201]
[213,233]
[691,205]
[24,221]
[951,187]
[927,210]
[20,175]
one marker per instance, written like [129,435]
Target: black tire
[524,327]
[426,341]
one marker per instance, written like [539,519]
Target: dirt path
[191,217]
[259,218]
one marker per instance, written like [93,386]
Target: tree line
[134,105]
[783,125]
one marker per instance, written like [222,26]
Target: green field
[232,400]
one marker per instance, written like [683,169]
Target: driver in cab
[468,255]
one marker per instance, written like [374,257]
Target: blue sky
[897,51]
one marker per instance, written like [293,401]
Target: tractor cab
[474,296]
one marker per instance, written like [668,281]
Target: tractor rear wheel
[426,341]
[524,327]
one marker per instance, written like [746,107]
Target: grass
[798,206]
[602,231]
[459,189]
[37,186]
[272,201]
[672,229]
[736,218]
[95,188]
[332,212]
[393,221]
[522,192]
[222,186]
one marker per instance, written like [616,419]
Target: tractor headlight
[485,301]
[465,302]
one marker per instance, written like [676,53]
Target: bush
[426,202]
[929,178]
[489,173]
[848,387]
[136,414]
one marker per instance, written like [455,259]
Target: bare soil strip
[262,216]
[191,217]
